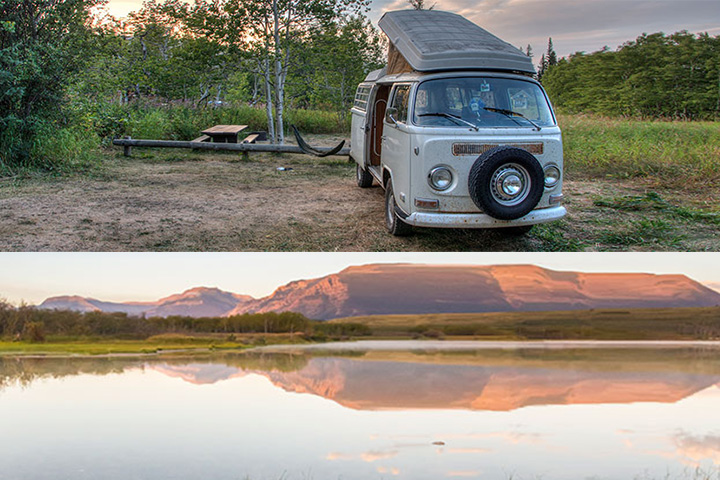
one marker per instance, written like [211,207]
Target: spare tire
[506,182]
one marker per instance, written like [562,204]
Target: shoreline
[379,345]
[389,345]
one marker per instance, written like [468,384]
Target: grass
[620,192]
[183,123]
[652,201]
[673,154]
[111,347]
[100,345]
[595,324]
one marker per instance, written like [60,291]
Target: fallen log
[232,147]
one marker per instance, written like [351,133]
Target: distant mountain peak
[404,288]
[194,302]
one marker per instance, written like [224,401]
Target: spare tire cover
[506,182]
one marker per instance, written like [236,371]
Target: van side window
[361,97]
[400,101]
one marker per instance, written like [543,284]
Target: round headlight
[440,178]
[552,176]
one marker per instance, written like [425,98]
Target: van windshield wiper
[512,114]
[450,116]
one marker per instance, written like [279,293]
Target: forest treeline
[671,76]
[30,324]
[73,77]
[69,70]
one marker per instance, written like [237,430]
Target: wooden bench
[251,138]
[204,138]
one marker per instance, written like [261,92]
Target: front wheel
[364,178]
[393,223]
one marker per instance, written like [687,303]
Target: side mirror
[390,115]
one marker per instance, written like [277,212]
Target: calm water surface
[411,411]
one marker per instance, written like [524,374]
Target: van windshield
[482,102]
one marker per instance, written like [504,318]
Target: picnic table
[224,133]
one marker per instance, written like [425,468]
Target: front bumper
[481,220]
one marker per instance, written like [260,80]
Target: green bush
[67,149]
[152,125]
[34,332]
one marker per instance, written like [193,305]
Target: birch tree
[268,33]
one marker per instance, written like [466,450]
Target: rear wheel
[364,178]
[393,223]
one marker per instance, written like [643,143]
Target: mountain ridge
[402,288]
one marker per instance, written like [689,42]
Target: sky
[574,25]
[33,277]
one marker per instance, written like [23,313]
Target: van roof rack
[431,41]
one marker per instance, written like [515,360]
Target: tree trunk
[255,92]
[269,101]
[205,95]
[279,77]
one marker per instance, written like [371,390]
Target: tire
[393,223]
[506,182]
[364,178]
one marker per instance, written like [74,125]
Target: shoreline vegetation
[34,332]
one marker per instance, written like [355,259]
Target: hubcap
[510,184]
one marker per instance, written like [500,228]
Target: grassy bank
[596,324]
[152,345]
[673,154]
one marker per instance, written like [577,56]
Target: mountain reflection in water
[498,380]
[565,414]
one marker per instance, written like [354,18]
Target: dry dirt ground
[177,200]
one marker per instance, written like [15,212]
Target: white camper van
[456,130]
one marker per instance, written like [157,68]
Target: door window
[400,102]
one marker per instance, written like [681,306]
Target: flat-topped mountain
[384,289]
[424,289]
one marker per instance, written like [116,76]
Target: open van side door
[396,144]
[359,123]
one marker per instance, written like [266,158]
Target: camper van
[456,129]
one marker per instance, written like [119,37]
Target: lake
[375,410]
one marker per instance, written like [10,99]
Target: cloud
[338,456]
[576,26]
[370,456]
[697,449]
[391,470]
[374,456]
[469,450]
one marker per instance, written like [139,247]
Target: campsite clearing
[166,200]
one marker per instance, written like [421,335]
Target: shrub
[34,332]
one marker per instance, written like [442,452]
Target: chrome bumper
[481,220]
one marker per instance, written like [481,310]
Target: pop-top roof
[432,41]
